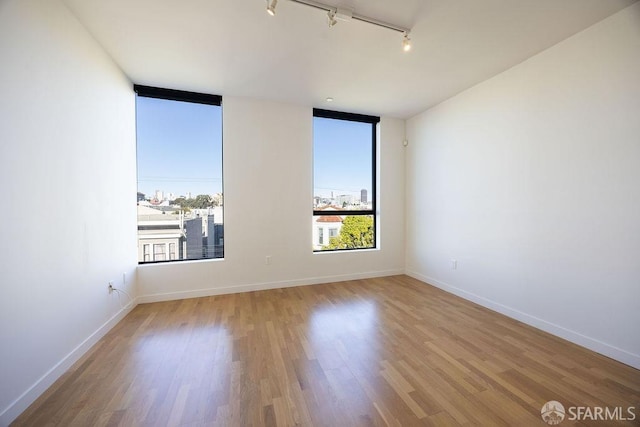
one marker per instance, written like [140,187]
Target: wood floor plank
[389,351]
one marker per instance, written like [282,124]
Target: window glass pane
[180,201]
[159,252]
[342,164]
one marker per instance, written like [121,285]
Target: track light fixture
[271,7]
[331,18]
[406,42]
[338,14]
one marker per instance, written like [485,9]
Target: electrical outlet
[454,264]
[267,260]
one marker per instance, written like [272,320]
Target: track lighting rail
[334,12]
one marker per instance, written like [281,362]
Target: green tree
[180,201]
[356,232]
[202,201]
[185,204]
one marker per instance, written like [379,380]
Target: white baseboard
[557,330]
[264,286]
[18,406]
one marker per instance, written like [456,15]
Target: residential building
[324,229]
[160,235]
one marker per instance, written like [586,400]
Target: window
[179,156]
[159,252]
[344,180]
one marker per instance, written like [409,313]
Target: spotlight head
[331,18]
[406,43]
[271,7]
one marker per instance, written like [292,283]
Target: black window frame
[183,96]
[177,95]
[373,121]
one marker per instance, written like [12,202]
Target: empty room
[320,213]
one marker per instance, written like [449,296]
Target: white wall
[531,180]
[67,183]
[268,203]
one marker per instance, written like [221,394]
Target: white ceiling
[232,47]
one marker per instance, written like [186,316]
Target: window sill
[179,262]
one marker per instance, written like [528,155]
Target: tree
[356,232]
[202,201]
[180,201]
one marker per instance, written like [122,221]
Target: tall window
[344,180]
[179,154]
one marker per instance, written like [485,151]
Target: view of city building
[327,228]
[169,230]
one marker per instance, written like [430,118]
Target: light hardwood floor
[387,351]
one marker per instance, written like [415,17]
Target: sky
[179,147]
[342,157]
[179,150]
